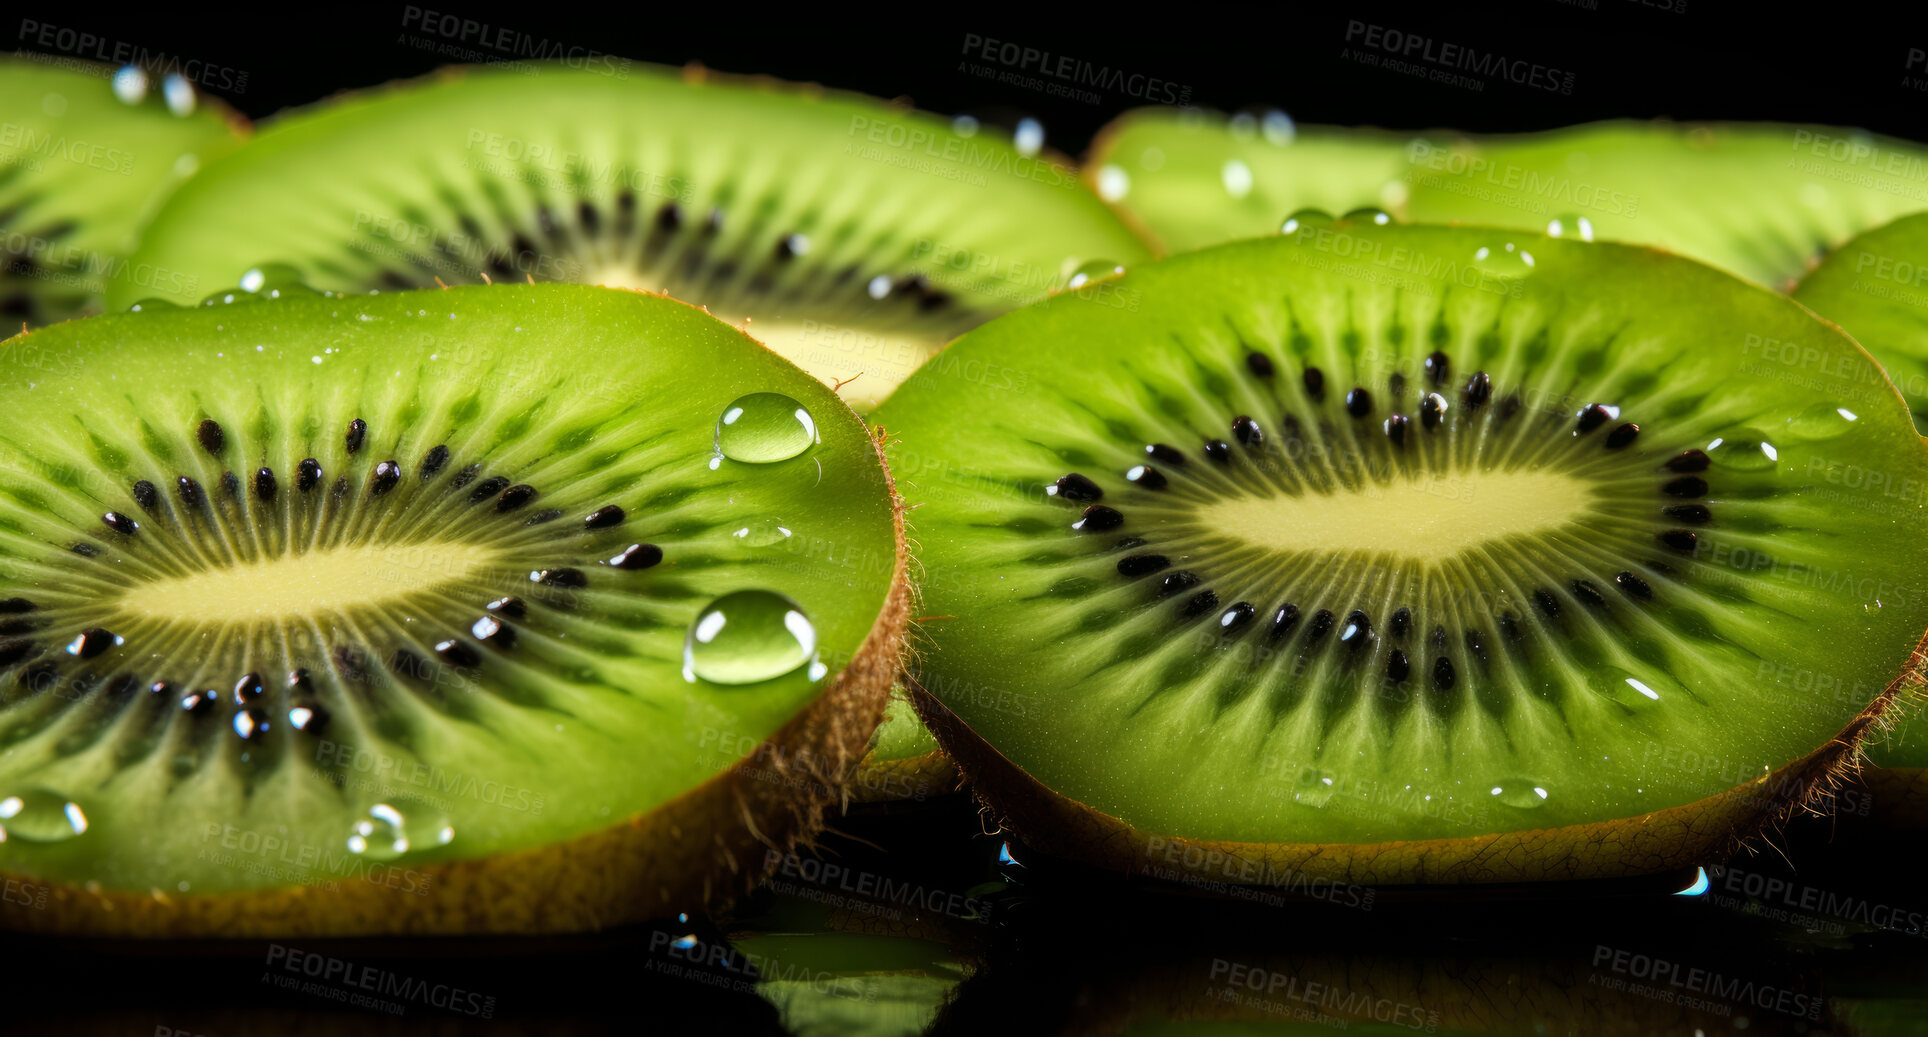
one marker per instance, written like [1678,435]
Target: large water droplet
[271,279]
[39,815]
[1505,260]
[764,427]
[1743,450]
[1093,270]
[1635,691]
[396,826]
[130,84]
[748,636]
[1521,793]
[1821,421]
[762,533]
[1113,182]
[1305,218]
[1570,226]
[1376,217]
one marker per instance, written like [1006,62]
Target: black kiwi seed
[1358,403]
[1169,455]
[146,495]
[1098,518]
[791,246]
[248,688]
[1397,668]
[91,642]
[1431,409]
[1510,627]
[1443,676]
[120,523]
[1396,382]
[20,626]
[1634,586]
[308,717]
[1147,476]
[162,689]
[1217,450]
[387,474]
[559,578]
[1319,627]
[1178,581]
[546,515]
[1549,605]
[1247,431]
[1591,417]
[1622,436]
[1588,593]
[1283,621]
[1402,621]
[1357,632]
[1689,461]
[298,680]
[1237,618]
[1479,389]
[230,485]
[1686,486]
[13,651]
[466,475]
[1695,513]
[85,549]
[200,703]
[15,606]
[487,488]
[1396,429]
[357,431]
[1510,406]
[1259,364]
[434,461]
[211,437]
[637,556]
[515,497]
[264,484]
[307,474]
[510,606]
[604,517]
[1315,383]
[190,492]
[1682,540]
[1142,565]
[492,631]
[1200,603]
[1075,487]
[1438,369]
[457,653]
[670,216]
[340,489]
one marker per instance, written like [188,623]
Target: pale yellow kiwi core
[305,584]
[1421,519]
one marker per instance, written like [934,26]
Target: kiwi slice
[1408,554]
[426,612]
[1190,178]
[86,153]
[904,763]
[857,237]
[1762,200]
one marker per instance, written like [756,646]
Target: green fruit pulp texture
[857,237]
[444,739]
[901,736]
[80,169]
[1590,622]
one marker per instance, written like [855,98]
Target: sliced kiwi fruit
[86,153]
[426,612]
[1190,178]
[1408,554]
[856,237]
[1762,200]
[904,763]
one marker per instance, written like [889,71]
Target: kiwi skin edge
[771,800]
[1706,831]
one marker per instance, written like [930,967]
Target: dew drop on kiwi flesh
[747,637]
[763,428]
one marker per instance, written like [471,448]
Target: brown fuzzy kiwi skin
[911,779]
[1706,831]
[696,852]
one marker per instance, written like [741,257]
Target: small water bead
[1743,450]
[1237,178]
[1314,788]
[1570,226]
[764,427]
[1370,214]
[748,636]
[40,815]
[151,305]
[1305,218]
[1507,260]
[1113,182]
[179,94]
[1634,691]
[762,533]
[130,84]
[1821,421]
[398,826]
[1028,138]
[1092,271]
[1520,793]
[1278,127]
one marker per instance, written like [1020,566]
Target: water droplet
[270,279]
[1508,260]
[39,815]
[1570,226]
[1093,270]
[1743,450]
[1305,218]
[748,636]
[179,94]
[1237,178]
[151,305]
[1522,793]
[398,825]
[764,427]
[1635,691]
[1028,138]
[230,297]
[1376,217]
[1314,787]
[964,126]
[762,533]
[1820,421]
[1113,183]
[1278,127]
[130,84]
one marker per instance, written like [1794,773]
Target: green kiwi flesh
[1411,554]
[856,237]
[904,762]
[84,159]
[1191,178]
[441,611]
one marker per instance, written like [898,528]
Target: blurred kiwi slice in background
[1189,178]
[904,763]
[86,154]
[427,612]
[855,236]
[1407,555]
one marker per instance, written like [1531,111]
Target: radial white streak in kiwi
[1409,519]
[312,583]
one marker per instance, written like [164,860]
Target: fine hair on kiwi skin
[450,446]
[1075,759]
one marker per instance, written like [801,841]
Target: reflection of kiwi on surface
[1761,200]
[904,762]
[1191,178]
[85,156]
[425,613]
[857,236]
[832,971]
[1406,554]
